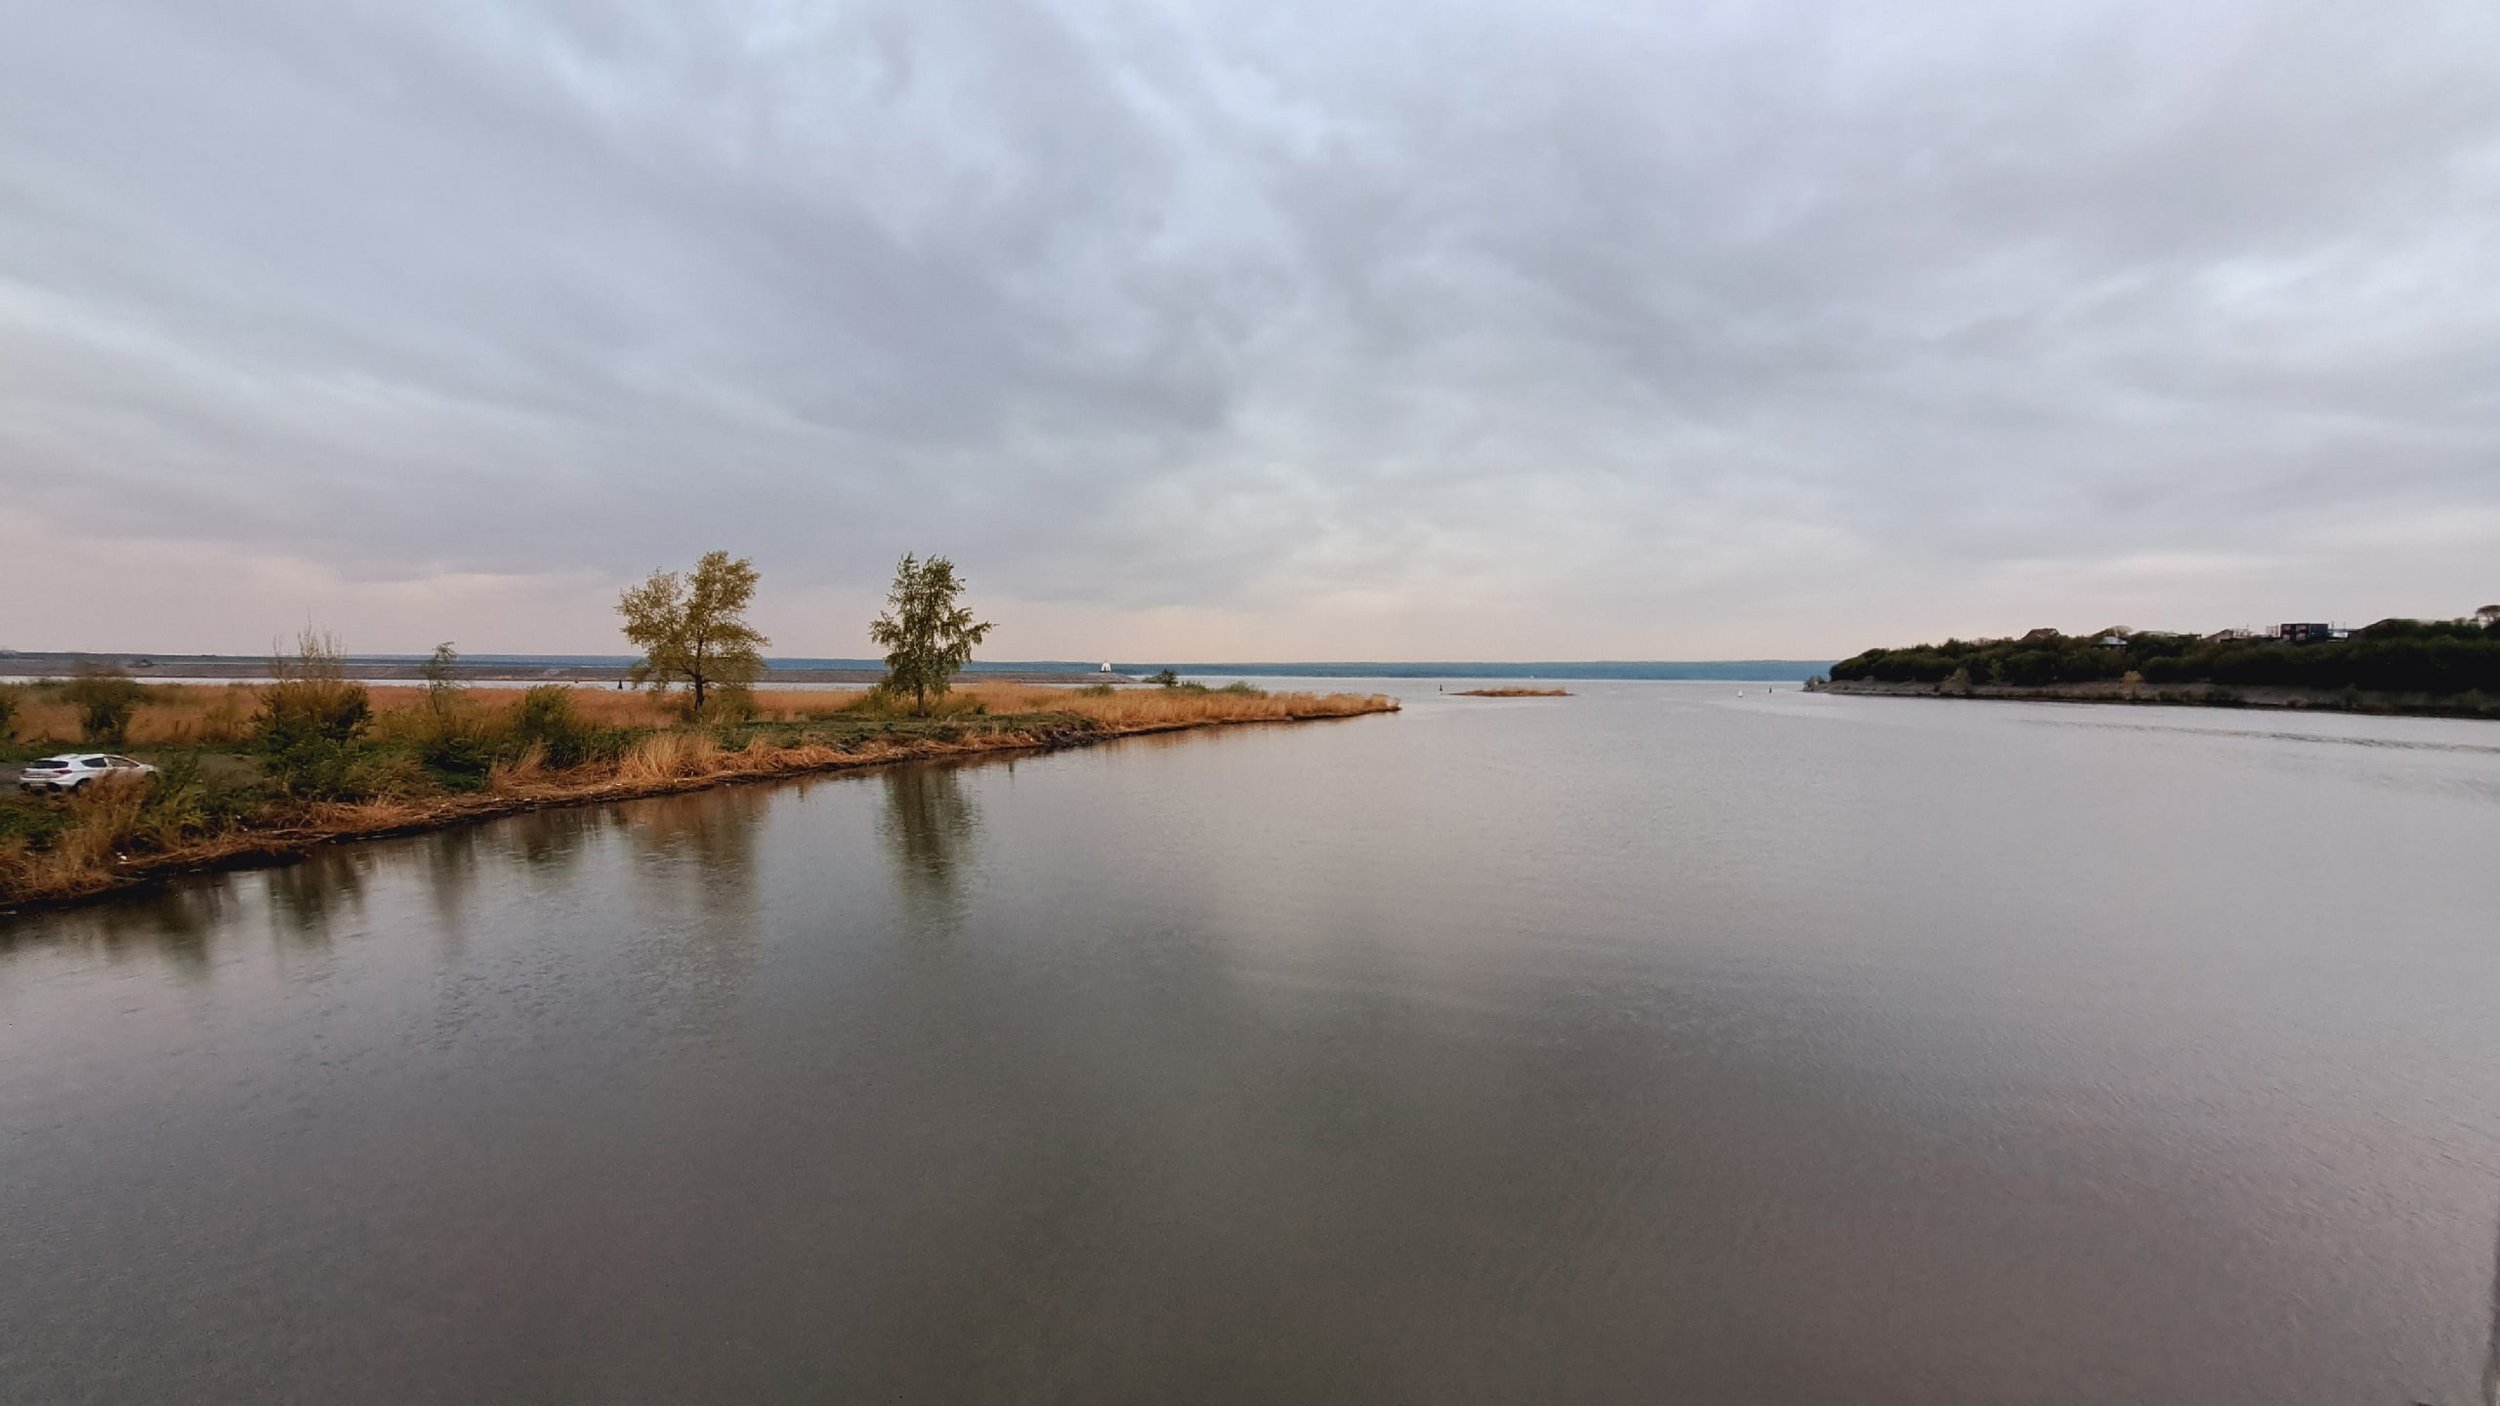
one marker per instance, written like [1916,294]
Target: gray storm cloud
[1312,331]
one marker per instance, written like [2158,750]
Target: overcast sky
[1282,331]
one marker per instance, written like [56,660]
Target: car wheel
[79,785]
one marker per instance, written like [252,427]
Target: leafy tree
[442,680]
[694,628]
[105,699]
[927,636]
[11,696]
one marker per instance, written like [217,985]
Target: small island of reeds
[1512,693]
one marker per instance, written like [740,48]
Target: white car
[69,773]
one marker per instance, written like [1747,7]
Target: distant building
[2112,640]
[2306,632]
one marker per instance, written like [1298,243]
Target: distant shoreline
[2191,695]
[559,668]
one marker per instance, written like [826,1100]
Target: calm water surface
[1652,1045]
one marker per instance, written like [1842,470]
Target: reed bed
[1512,693]
[1132,708]
[210,715]
[669,756]
[169,715]
[200,814]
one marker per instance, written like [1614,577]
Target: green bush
[184,802]
[311,721]
[105,699]
[457,753]
[547,720]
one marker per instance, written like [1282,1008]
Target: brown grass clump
[1512,693]
[105,816]
[669,756]
[528,769]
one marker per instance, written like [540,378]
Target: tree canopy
[2394,655]
[927,635]
[692,629]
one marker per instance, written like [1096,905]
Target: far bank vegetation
[2422,665]
[1512,693]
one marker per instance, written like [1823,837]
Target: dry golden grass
[518,773]
[669,756]
[168,715]
[1165,707]
[103,818]
[221,714]
[177,715]
[95,852]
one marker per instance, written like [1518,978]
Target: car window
[121,761]
[93,761]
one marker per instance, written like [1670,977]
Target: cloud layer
[1278,331]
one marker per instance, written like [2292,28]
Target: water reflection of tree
[929,827]
[307,898]
[182,918]
[174,923]
[451,875]
[700,920]
[552,838]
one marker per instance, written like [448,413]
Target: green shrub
[458,756]
[311,721]
[546,719]
[183,802]
[105,699]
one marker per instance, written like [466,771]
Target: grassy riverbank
[429,760]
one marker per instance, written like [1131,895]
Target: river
[1663,1043]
